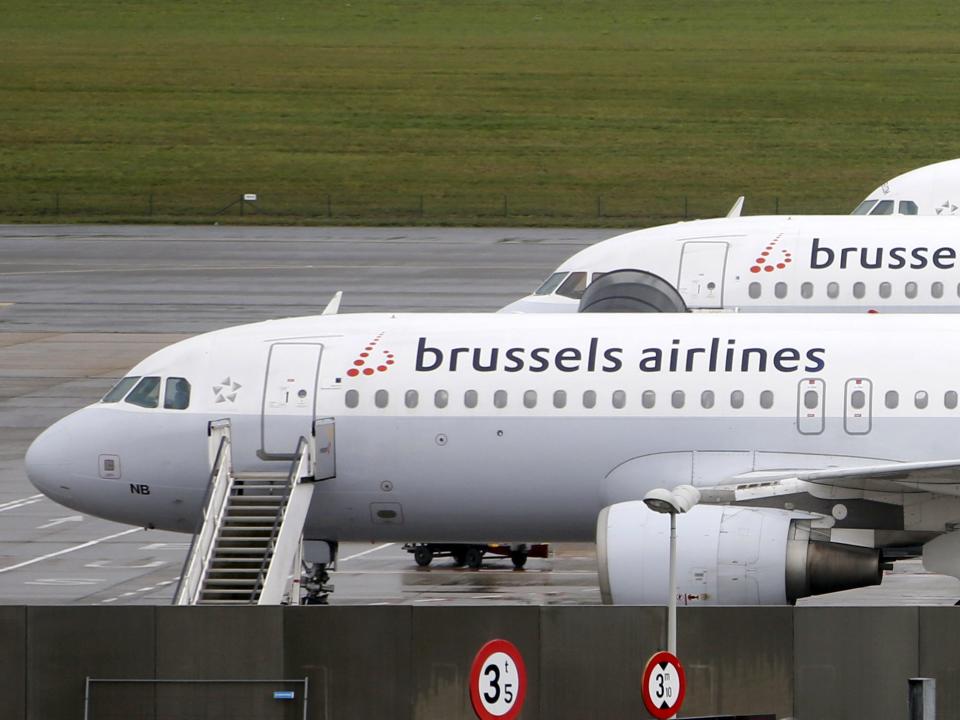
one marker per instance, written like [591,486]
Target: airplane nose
[48,461]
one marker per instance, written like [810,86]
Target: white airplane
[929,190]
[781,263]
[466,428]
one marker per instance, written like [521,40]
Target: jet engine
[725,556]
[631,291]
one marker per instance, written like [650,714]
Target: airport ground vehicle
[472,555]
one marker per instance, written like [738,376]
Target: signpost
[664,685]
[498,681]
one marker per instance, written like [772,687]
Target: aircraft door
[702,266]
[857,406]
[811,395]
[289,392]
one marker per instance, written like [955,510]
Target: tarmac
[79,305]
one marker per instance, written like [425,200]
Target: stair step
[228,583]
[262,519]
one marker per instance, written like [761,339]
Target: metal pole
[86,699]
[672,606]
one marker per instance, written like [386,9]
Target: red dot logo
[368,371]
[769,268]
[755,269]
[353,372]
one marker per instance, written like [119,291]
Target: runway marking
[366,552]
[22,502]
[162,583]
[64,582]
[87,544]
[60,521]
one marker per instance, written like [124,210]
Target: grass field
[445,111]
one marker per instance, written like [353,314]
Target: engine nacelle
[725,556]
[631,290]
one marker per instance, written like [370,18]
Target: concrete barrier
[412,663]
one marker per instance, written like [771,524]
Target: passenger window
[351,398]
[864,207]
[550,284]
[806,290]
[920,399]
[120,389]
[736,399]
[677,399]
[936,289]
[885,290]
[706,399]
[589,398]
[530,399]
[500,399]
[910,290]
[381,398]
[780,290]
[884,207]
[648,399]
[753,290]
[619,399]
[441,398]
[766,399]
[574,285]
[146,394]
[176,396]
[411,399]
[859,290]
[560,399]
[811,399]
[909,207]
[470,399]
[950,399]
[833,290]
[858,399]
[891,399]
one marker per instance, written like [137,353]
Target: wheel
[519,559]
[474,558]
[459,557]
[423,555]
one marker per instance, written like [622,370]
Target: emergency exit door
[289,395]
[702,266]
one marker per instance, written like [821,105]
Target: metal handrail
[303,448]
[185,593]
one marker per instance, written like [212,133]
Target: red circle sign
[498,681]
[664,685]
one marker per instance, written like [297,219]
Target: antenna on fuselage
[737,208]
[333,307]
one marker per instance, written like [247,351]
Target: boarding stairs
[247,550]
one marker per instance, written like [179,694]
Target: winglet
[333,307]
[737,208]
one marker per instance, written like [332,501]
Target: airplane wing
[937,476]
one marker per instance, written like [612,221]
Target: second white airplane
[825,263]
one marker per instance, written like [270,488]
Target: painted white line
[38,496]
[61,521]
[366,552]
[25,563]
[20,503]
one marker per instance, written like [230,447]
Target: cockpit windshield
[886,207]
[550,284]
[146,393]
[120,389]
[573,286]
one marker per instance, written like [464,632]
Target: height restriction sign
[664,685]
[498,681]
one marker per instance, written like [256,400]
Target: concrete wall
[412,663]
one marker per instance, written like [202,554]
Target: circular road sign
[664,685]
[498,681]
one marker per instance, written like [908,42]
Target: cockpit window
[864,207]
[884,207]
[177,394]
[574,285]
[120,389]
[909,207]
[550,284]
[146,393]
